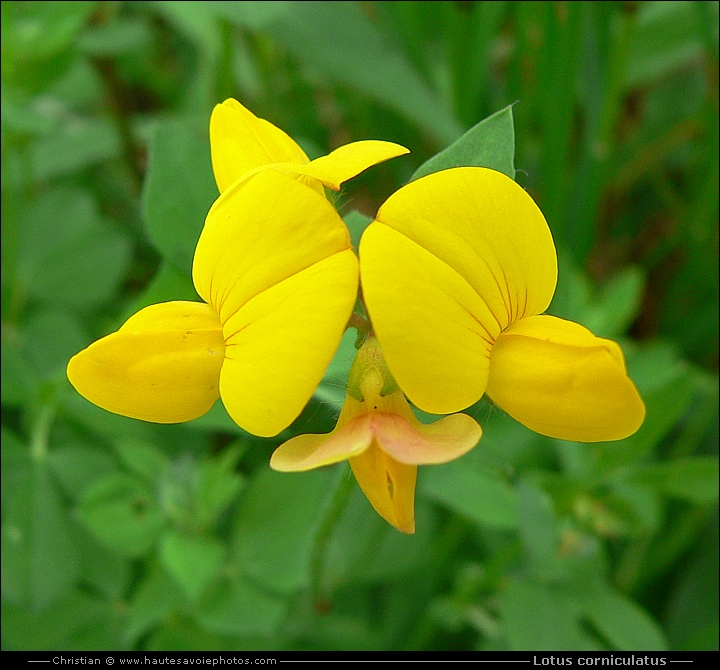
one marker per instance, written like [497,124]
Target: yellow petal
[350,160]
[163,365]
[240,141]
[350,438]
[488,229]
[414,443]
[558,379]
[435,331]
[279,343]
[258,233]
[388,485]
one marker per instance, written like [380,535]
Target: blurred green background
[117,534]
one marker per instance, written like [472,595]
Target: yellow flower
[383,440]
[240,142]
[456,271]
[279,278]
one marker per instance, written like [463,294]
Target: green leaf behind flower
[179,190]
[489,143]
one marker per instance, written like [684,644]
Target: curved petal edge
[163,365]
[560,380]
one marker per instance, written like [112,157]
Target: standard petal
[350,160]
[163,365]
[279,344]
[388,485]
[488,229]
[435,331]
[558,379]
[414,443]
[240,141]
[260,232]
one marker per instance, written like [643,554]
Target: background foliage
[117,534]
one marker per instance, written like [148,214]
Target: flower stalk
[333,511]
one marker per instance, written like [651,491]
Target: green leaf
[13,460]
[356,537]
[52,27]
[77,466]
[626,625]
[536,523]
[338,41]
[356,224]
[333,387]
[179,190]
[167,284]
[37,40]
[155,598]
[253,15]
[22,116]
[617,305]
[219,485]
[40,559]
[181,635]
[573,292]
[691,618]
[19,382]
[276,526]
[118,37]
[74,147]
[489,143]
[471,489]
[666,39]
[537,618]
[122,514]
[217,419]
[655,366]
[193,562]
[694,478]
[364,548]
[506,444]
[665,406]
[635,507]
[64,224]
[394,555]
[77,622]
[237,607]
[103,570]
[101,422]
[49,339]
[142,459]
[193,20]
[348,627]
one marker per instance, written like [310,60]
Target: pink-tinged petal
[414,443]
[558,379]
[306,452]
[388,485]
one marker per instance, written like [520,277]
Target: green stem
[427,628]
[360,323]
[41,431]
[337,501]
[225,80]
[662,554]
